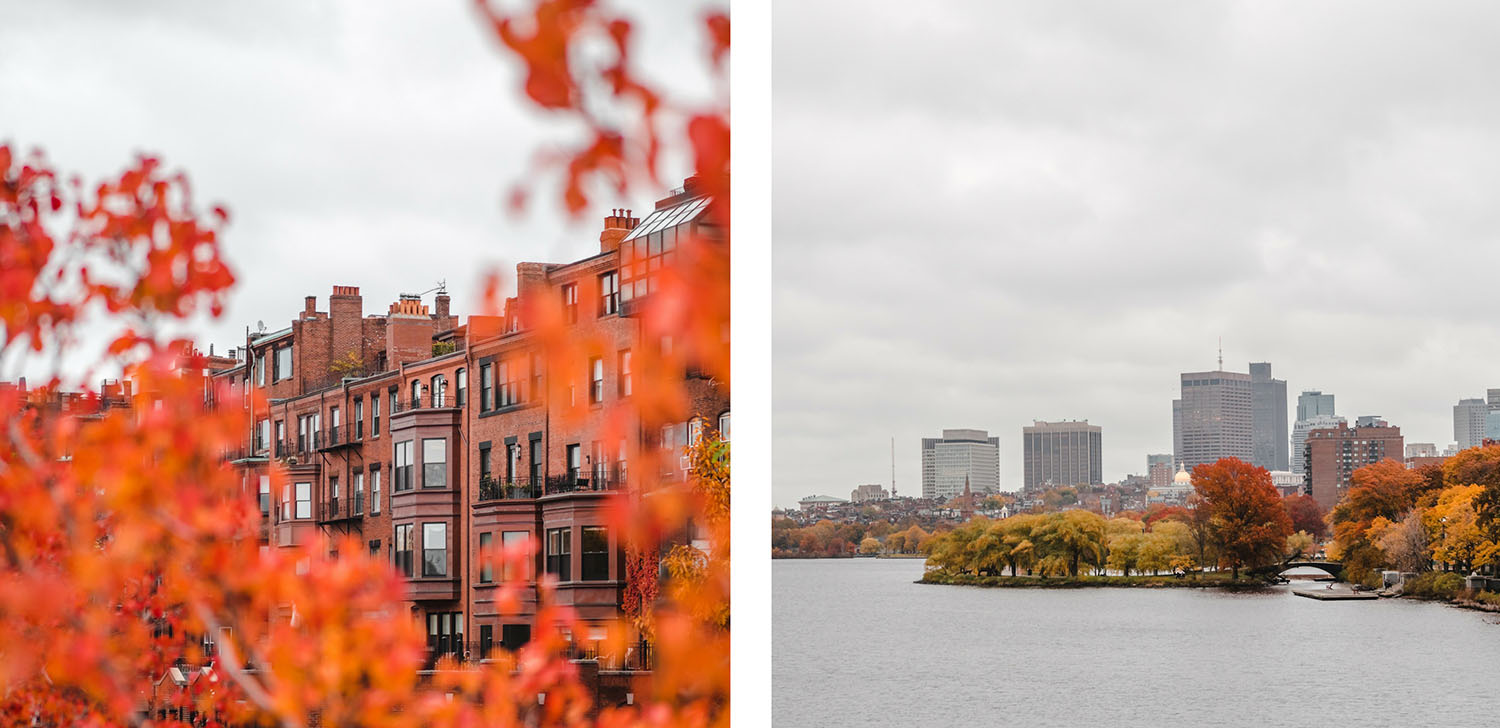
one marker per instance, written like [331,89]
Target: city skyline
[1116,463]
[1060,241]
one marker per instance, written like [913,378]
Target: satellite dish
[260,326]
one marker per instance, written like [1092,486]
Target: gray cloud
[987,213]
[361,143]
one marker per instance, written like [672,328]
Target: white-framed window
[596,380]
[724,427]
[435,462]
[283,363]
[403,467]
[434,549]
[626,380]
[304,500]
[570,302]
[609,293]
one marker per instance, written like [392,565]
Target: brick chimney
[309,306]
[408,334]
[346,310]
[616,227]
[440,305]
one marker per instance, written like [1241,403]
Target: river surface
[857,644]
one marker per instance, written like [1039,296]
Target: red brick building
[426,437]
[1333,454]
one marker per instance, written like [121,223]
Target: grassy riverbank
[1164,581]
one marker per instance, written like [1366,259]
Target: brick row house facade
[425,438]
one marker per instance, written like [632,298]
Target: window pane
[435,463]
[434,549]
[304,500]
[508,540]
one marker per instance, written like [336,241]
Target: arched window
[416,393]
[439,390]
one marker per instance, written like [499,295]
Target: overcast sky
[993,212]
[354,143]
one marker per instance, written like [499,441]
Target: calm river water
[857,644]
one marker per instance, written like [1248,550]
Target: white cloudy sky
[356,143]
[993,212]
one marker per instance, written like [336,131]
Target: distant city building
[1061,453]
[1159,470]
[1174,493]
[1312,403]
[1213,419]
[1287,482]
[1333,454]
[819,501]
[1299,437]
[1468,422]
[958,455]
[873,491]
[1492,425]
[1421,450]
[1370,421]
[1268,418]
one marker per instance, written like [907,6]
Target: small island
[1192,580]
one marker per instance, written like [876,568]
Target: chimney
[346,311]
[309,306]
[440,303]
[616,227]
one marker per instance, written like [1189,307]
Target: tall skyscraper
[1268,418]
[1061,453]
[1214,418]
[1468,422]
[959,456]
[1312,403]
[1314,410]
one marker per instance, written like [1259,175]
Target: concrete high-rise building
[1299,437]
[1333,454]
[1214,418]
[1313,410]
[1421,450]
[1159,469]
[1061,453]
[1468,422]
[959,456]
[1312,403]
[1268,418]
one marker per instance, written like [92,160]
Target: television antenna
[442,287]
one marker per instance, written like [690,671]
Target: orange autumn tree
[124,539]
[1247,521]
